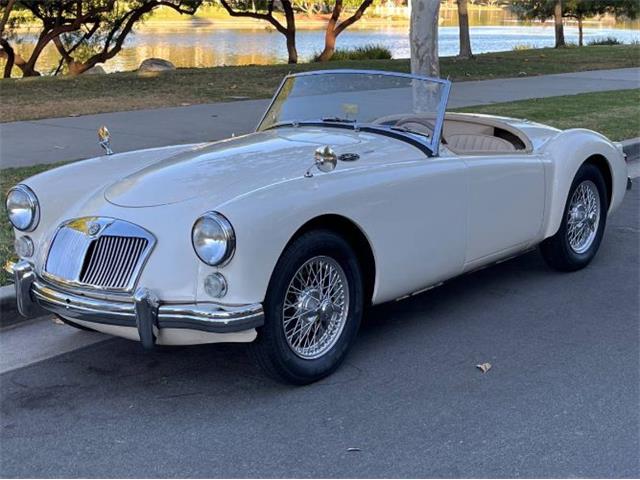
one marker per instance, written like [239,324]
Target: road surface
[561,399]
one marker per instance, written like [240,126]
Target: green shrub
[605,41]
[368,52]
[522,46]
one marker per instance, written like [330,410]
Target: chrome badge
[94,228]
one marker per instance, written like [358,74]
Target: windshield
[384,100]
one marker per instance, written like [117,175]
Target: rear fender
[564,155]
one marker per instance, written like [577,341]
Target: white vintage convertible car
[356,189]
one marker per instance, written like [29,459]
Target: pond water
[194,43]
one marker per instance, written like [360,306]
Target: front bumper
[143,311]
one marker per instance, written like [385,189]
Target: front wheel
[585,214]
[312,309]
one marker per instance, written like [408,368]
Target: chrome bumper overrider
[144,311]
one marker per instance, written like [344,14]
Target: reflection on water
[193,43]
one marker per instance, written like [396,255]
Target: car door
[506,204]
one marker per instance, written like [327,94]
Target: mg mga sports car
[355,189]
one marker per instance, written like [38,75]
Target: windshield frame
[433,145]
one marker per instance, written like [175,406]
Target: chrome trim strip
[83,308]
[141,311]
[369,72]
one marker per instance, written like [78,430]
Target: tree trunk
[463,21]
[292,51]
[77,68]
[423,37]
[334,29]
[557,17]
[7,51]
[329,46]
[290,18]
[580,36]
[74,68]
[330,33]
[29,68]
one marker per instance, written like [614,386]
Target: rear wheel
[312,309]
[582,228]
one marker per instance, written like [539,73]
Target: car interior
[464,134]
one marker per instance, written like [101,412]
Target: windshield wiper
[337,120]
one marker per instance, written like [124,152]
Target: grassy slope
[26,99]
[619,120]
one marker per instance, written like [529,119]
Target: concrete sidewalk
[58,139]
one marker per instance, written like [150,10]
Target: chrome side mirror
[325,160]
[104,139]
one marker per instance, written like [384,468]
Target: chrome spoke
[583,217]
[315,307]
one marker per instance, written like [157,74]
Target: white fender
[564,154]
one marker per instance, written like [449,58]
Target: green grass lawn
[45,97]
[614,114]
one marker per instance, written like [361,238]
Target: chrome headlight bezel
[222,248]
[33,206]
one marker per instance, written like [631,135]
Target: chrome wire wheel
[583,217]
[316,307]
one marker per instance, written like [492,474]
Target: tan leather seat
[478,143]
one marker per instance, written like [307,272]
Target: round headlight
[213,239]
[22,208]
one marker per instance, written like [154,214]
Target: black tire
[271,350]
[556,250]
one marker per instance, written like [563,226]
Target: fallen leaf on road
[353,449]
[484,367]
[57,321]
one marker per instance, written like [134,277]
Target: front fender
[564,155]
[413,214]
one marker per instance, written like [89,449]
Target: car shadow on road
[166,372]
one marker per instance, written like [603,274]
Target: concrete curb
[8,310]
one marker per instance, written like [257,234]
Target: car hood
[226,169]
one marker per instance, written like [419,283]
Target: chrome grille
[67,253]
[111,261]
[98,252]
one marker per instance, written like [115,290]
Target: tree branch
[353,18]
[5,15]
[260,16]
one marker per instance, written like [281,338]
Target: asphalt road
[561,399]
[71,138]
